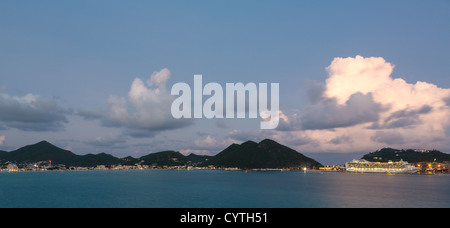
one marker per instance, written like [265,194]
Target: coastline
[318,171]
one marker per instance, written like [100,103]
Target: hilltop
[172,158]
[45,151]
[266,154]
[39,152]
[412,156]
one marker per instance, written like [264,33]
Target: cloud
[197,152]
[361,107]
[284,137]
[207,145]
[210,143]
[146,110]
[403,118]
[245,135]
[108,142]
[150,106]
[447,101]
[341,139]
[284,123]
[389,138]
[31,113]
[315,91]
[328,114]
[2,139]
[90,114]
[220,123]
[159,78]
[348,76]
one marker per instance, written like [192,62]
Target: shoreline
[231,170]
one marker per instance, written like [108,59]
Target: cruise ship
[364,166]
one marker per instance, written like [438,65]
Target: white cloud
[209,143]
[159,78]
[348,76]
[2,139]
[147,108]
[361,107]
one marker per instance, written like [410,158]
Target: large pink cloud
[388,111]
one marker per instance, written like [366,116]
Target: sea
[221,189]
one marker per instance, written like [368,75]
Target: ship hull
[405,171]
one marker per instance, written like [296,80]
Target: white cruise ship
[364,166]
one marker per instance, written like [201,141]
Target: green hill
[172,158]
[412,156]
[92,160]
[194,158]
[42,151]
[266,154]
[248,155]
[129,160]
[45,151]
[164,158]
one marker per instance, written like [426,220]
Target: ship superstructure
[364,166]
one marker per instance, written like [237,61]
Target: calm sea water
[217,189]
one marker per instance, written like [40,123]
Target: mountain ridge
[409,155]
[267,154]
[248,155]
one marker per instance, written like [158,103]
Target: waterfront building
[12,167]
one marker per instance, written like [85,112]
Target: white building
[12,168]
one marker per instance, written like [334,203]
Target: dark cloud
[90,114]
[403,118]
[131,127]
[328,114]
[447,101]
[295,140]
[3,127]
[390,138]
[289,123]
[31,113]
[341,140]
[139,133]
[315,91]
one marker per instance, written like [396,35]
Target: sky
[96,76]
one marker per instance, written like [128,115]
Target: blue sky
[71,56]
